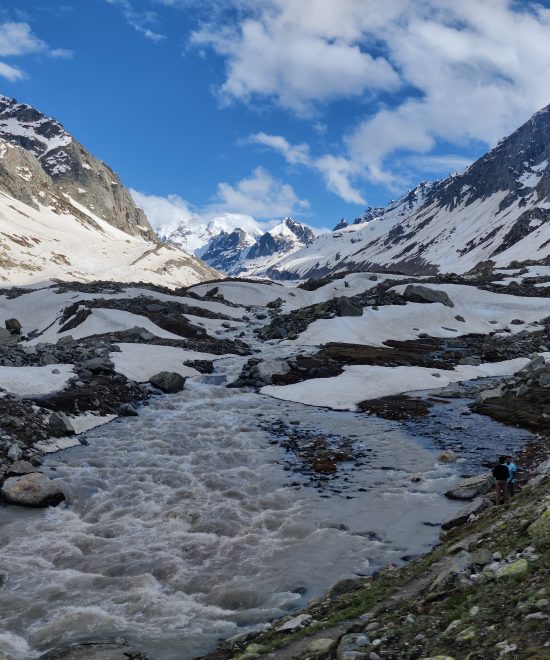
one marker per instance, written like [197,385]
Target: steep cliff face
[66,215]
[66,170]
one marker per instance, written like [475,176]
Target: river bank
[235,501]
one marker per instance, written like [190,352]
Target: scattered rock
[115,649]
[353,646]
[322,645]
[21,467]
[447,456]
[15,452]
[127,410]
[7,339]
[466,634]
[347,308]
[295,623]
[481,557]
[474,508]
[539,531]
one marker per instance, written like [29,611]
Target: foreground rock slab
[107,650]
[472,487]
[34,489]
[477,506]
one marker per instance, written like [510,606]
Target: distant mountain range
[498,210]
[239,252]
[65,214]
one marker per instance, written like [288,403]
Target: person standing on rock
[512,469]
[501,473]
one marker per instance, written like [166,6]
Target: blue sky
[249,110]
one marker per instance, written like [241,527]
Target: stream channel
[189,523]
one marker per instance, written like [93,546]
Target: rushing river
[183,525]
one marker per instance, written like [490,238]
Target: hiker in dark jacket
[501,475]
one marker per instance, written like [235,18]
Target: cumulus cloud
[260,195]
[11,73]
[289,56]
[16,40]
[337,172]
[426,72]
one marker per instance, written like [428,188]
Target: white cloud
[16,40]
[337,172]
[287,54]
[259,195]
[61,53]
[11,73]
[456,72]
[141,21]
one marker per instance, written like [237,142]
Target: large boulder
[60,425]
[34,489]
[13,326]
[423,294]
[451,574]
[265,370]
[460,517]
[347,308]
[472,487]
[515,569]
[168,382]
[535,363]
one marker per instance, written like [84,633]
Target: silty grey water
[183,527]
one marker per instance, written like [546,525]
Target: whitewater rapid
[185,525]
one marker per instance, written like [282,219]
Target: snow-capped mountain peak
[24,126]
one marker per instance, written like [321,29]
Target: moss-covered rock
[516,569]
[539,531]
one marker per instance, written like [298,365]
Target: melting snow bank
[35,381]
[360,382]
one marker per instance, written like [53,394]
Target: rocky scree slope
[66,214]
[497,210]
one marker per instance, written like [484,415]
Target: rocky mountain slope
[498,210]
[65,214]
